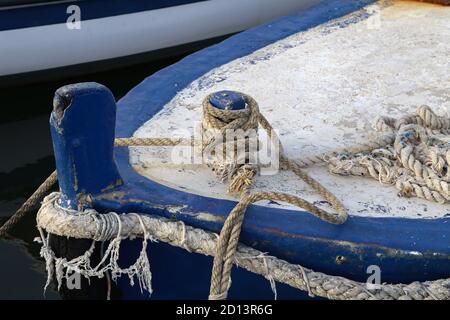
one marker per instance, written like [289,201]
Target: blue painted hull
[178,274]
[405,249]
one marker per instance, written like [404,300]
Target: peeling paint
[361,247]
[209,217]
[114,195]
[84,201]
[116,183]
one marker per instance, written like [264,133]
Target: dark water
[27,159]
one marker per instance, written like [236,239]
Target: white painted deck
[323,89]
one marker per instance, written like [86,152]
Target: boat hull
[36,38]
[404,249]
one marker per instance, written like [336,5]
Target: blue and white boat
[39,39]
[321,77]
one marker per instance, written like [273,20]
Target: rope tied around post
[231,156]
[242,174]
[239,167]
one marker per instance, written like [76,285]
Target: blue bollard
[227,100]
[82,125]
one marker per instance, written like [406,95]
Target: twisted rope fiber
[416,160]
[107,227]
[89,224]
[158,142]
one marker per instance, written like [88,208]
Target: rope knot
[230,138]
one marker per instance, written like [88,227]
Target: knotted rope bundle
[230,142]
[417,161]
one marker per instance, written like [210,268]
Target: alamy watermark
[238,147]
[73,21]
[374,280]
[73,280]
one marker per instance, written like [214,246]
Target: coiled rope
[416,161]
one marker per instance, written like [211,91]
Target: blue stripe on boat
[55,12]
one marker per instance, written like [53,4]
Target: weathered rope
[379,142]
[86,225]
[158,142]
[416,160]
[107,227]
[236,163]
[229,236]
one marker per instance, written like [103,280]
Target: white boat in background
[43,37]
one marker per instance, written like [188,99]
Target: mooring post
[83,129]
[227,100]
[82,125]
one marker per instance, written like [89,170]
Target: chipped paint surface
[204,216]
[322,89]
